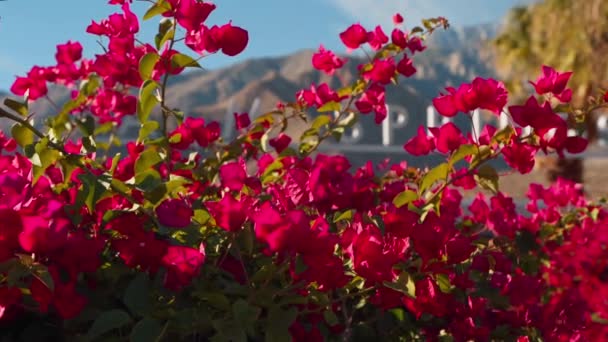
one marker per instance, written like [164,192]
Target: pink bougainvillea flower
[576,144]
[354,36]
[448,137]
[373,100]
[326,61]
[382,71]
[117,25]
[229,214]
[33,85]
[191,14]
[233,175]
[42,235]
[319,95]
[9,296]
[280,142]
[415,45]
[397,19]
[429,299]
[406,67]
[182,264]
[174,213]
[399,38]
[231,40]
[242,120]
[553,82]
[421,144]
[520,156]
[377,38]
[68,53]
[482,93]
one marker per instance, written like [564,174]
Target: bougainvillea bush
[185,236]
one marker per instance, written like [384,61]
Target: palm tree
[566,35]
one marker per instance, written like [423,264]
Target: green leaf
[165,33]
[91,190]
[22,135]
[462,152]
[137,295]
[278,323]
[19,107]
[148,180]
[184,61]
[148,330]
[147,100]
[147,64]
[331,106]
[201,216]
[504,135]
[147,160]
[320,121]
[246,316]
[330,317]
[158,8]
[108,321]
[444,282]
[104,128]
[439,172]
[216,299]
[228,331]
[487,178]
[481,155]
[345,216]
[404,284]
[404,198]
[146,129]
[46,157]
[41,272]
[86,125]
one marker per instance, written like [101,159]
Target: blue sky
[30,29]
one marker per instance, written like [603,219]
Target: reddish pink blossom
[68,53]
[399,38]
[9,296]
[377,38]
[421,144]
[191,14]
[415,45]
[354,36]
[33,86]
[373,100]
[448,137]
[231,40]
[242,120]
[233,175]
[406,67]
[318,96]
[397,19]
[326,61]
[183,264]
[382,71]
[555,83]
[481,93]
[280,143]
[229,213]
[520,156]
[174,213]
[117,25]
